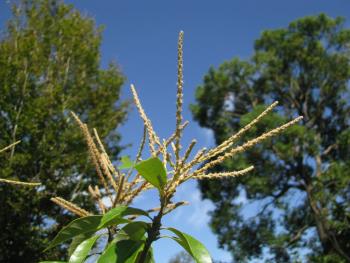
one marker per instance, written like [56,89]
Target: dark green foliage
[299,189]
[182,257]
[50,65]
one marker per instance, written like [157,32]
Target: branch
[297,236]
[329,148]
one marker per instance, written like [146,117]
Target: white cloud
[199,217]
[196,213]
[207,137]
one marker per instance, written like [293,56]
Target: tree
[49,66]
[299,189]
[181,257]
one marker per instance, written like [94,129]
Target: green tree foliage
[298,195]
[50,65]
[181,257]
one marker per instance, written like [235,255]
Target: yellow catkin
[173,147]
[178,170]
[128,198]
[164,153]
[93,151]
[246,146]
[142,144]
[188,151]
[14,182]
[100,144]
[95,156]
[9,147]
[195,161]
[153,138]
[97,197]
[168,156]
[111,167]
[228,143]
[173,206]
[107,172]
[70,206]
[107,166]
[224,174]
[100,202]
[119,193]
[179,100]
[172,137]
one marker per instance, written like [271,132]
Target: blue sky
[141,37]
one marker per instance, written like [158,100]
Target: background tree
[299,190]
[49,65]
[181,257]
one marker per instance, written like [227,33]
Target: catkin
[228,143]
[179,100]
[70,206]
[224,174]
[13,182]
[246,146]
[153,138]
[9,146]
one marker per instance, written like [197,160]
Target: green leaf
[123,251]
[195,248]
[77,240]
[53,262]
[76,227]
[150,257]
[82,251]
[87,224]
[114,216]
[126,163]
[134,230]
[153,171]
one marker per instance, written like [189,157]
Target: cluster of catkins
[122,187]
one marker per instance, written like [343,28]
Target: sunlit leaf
[131,237]
[76,227]
[82,251]
[195,248]
[123,251]
[94,223]
[126,163]
[134,230]
[153,171]
[77,240]
[115,215]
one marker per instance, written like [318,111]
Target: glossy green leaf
[134,230]
[195,248]
[76,227]
[52,262]
[126,163]
[82,251]
[94,223]
[123,251]
[153,171]
[115,215]
[77,240]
